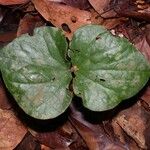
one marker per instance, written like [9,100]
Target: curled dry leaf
[13,2]
[135,121]
[66,17]
[12,130]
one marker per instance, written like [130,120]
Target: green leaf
[36,73]
[110,69]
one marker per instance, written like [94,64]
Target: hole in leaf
[74,19]
[98,37]
[53,78]
[102,80]
[77,50]
[66,28]
[31,33]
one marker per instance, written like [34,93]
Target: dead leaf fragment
[99,5]
[28,143]
[12,130]
[62,16]
[134,9]
[28,23]
[93,134]
[82,4]
[135,121]
[7,36]
[43,147]
[144,47]
[13,2]
[63,137]
[146,96]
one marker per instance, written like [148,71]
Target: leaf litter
[128,126]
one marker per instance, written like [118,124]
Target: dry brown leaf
[107,23]
[28,23]
[140,37]
[119,134]
[82,4]
[99,5]
[144,47]
[93,134]
[7,36]
[63,137]
[143,42]
[135,121]
[13,2]
[12,130]
[139,9]
[28,143]
[43,147]
[146,96]
[66,17]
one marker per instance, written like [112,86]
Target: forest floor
[127,127]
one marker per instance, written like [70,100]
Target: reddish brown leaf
[13,2]
[99,5]
[43,147]
[93,134]
[139,37]
[118,134]
[143,43]
[28,143]
[146,98]
[66,17]
[28,23]
[107,23]
[135,9]
[144,47]
[82,4]
[7,36]
[12,130]
[63,137]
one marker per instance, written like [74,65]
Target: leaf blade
[110,68]
[36,73]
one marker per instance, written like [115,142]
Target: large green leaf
[36,73]
[109,68]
